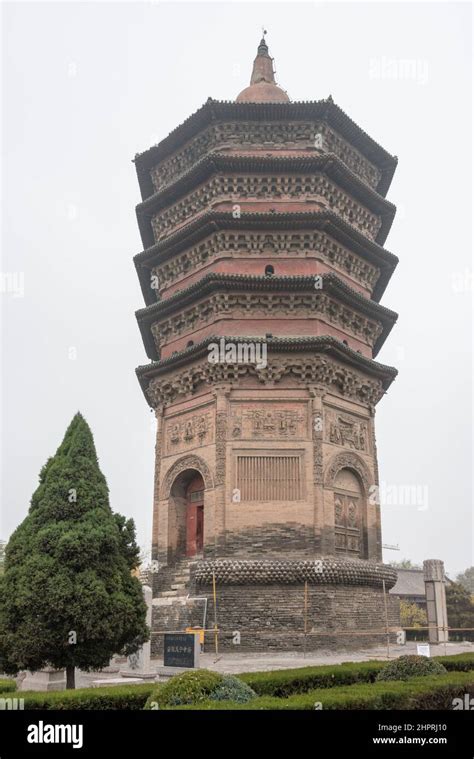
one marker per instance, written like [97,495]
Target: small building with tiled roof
[410,586]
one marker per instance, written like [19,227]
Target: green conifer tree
[67,595]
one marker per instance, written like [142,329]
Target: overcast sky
[85,86]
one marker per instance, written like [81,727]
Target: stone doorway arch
[349,515]
[185,490]
[349,481]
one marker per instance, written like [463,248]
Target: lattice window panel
[198,495]
[269,478]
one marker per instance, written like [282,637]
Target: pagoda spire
[263,65]
[263,87]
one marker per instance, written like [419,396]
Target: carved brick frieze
[229,244]
[374,450]
[308,369]
[266,135]
[347,430]
[317,434]
[255,305]
[260,421]
[156,482]
[188,431]
[250,187]
[221,437]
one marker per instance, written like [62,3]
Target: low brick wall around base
[271,617]
[263,605]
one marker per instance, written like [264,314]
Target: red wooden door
[195,516]
[199,528]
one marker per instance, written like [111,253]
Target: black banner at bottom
[87,733]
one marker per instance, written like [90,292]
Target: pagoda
[263,223]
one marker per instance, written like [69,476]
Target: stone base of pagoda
[267,605]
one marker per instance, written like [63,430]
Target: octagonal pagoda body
[263,223]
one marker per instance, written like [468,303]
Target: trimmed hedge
[279,684]
[287,682]
[127,697]
[419,693]
[7,686]
[457,662]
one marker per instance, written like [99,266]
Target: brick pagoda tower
[263,223]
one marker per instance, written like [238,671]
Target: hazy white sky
[87,85]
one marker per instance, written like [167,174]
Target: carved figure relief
[348,431]
[189,432]
[351,514]
[260,423]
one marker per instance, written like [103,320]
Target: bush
[188,688]
[126,697]
[410,666]
[431,692]
[233,689]
[7,686]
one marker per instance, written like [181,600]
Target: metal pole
[305,616]
[386,619]
[216,643]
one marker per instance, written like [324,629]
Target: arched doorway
[186,515]
[349,515]
[195,516]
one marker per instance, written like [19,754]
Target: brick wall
[271,617]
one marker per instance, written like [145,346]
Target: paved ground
[233,663]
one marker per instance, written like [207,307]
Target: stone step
[120,681]
[167,593]
[163,601]
[175,601]
[181,578]
[178,586]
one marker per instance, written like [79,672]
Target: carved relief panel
[257,421]
[188,431]
[347,430]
